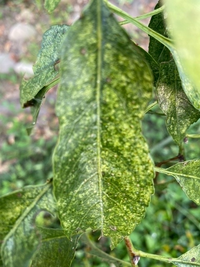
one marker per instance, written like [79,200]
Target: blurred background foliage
[171,224]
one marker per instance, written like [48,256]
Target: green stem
[175,261]
[193,135]
[151,106]
[162,39]
[145,16]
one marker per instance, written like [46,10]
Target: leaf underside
[170,94]
[102,171]
[46,74]
[187,175]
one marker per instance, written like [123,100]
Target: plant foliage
[102,171]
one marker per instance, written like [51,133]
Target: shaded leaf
[189,259]
[187,175]
[103,173]
[55,249]
[45,70]
[174,102]
[50,5]
[96,252]
[13,205]
[171,97]
[157,50]
[184,20]
[23,239]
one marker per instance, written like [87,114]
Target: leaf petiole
[145,16]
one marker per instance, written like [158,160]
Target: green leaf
[53,242]
[13,205]
[50,5]
[94,251]
[157,50]
[23,239]
[174,102]
[184,20]
[187,175]
[171,97]
[45,72]
[103,172]
[189,259]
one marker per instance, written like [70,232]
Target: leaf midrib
[98,97]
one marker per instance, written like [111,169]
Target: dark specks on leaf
[193,259]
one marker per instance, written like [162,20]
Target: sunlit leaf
[171,97]
[45,70]
[184,20]
[187,175]
[50,5]
[189,259]
[55,249]
[23,239]
[103,173]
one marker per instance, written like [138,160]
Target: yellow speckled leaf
[102,170]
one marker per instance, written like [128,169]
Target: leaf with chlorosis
[170,94]
[103,171]
[189,259]
[46,74]
[50,5]
[55,249]
[184,20]
[23,238]
[174,102]
[187,175]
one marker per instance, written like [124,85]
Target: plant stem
[134,258]
[139,253]
[193,135]
[151,106]
[162,39]
[145,16]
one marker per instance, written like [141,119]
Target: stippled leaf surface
[23,239]
[189,259]
[184,20]
[170,94]
[187,175]
[50,5]
[103,173]
[13,205]
[55,249]
[45,70]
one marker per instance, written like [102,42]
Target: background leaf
[94,251]
[44,69]
[170,95]
[103,173]
[187,175]
[50,5]
[183,18]
[190,257]
[55,249]
[22,241]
